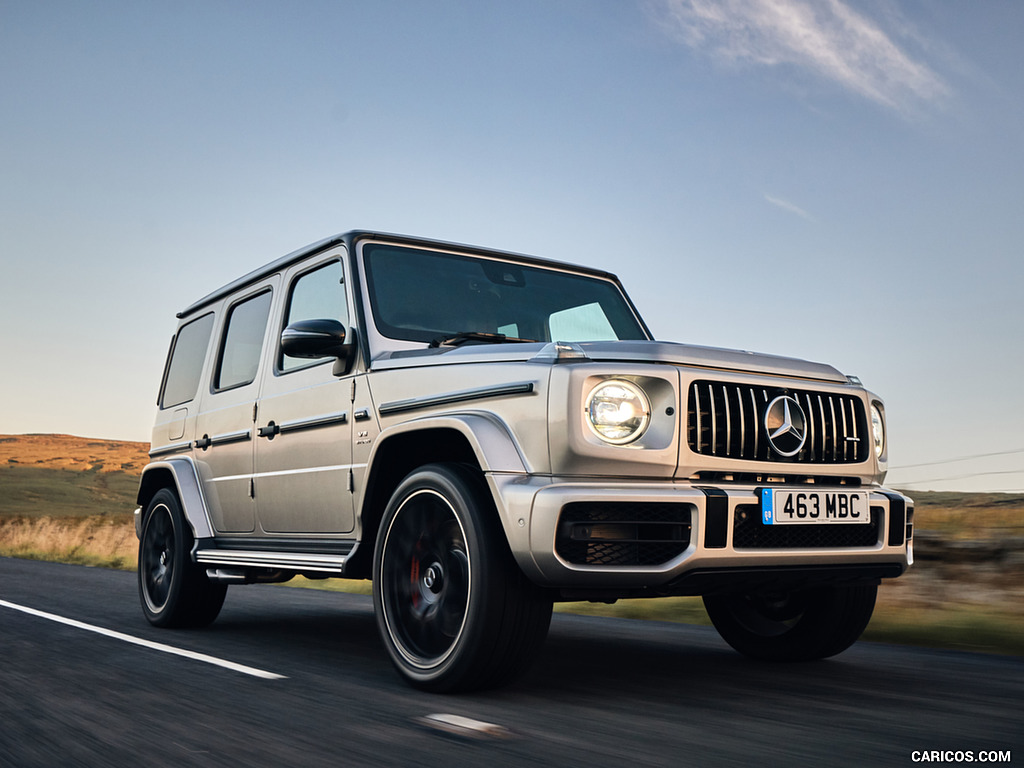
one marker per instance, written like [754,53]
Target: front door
[304,422]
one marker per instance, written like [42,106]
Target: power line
[961,458]
[958,477]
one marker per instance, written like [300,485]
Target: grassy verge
[982,629]
[110,542]
[102,541]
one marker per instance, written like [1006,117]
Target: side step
[327,564]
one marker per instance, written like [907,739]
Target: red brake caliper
[414,578]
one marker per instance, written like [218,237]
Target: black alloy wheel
[793,626]
[453,608]
[173,590]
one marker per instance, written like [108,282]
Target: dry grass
[961,627]
[98,541]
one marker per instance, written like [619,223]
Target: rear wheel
[793,626]
[453,608]
[174,591]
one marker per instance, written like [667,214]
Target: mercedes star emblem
[786,425]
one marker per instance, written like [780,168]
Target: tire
[173,590]
[794,626]
[453,609]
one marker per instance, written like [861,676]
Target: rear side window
[243,342]
[185,362]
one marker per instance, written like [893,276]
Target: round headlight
[878,430]
[618,411]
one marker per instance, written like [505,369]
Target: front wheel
[174,591]
[793,626]
[453,608]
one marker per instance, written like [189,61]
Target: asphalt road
[604,692]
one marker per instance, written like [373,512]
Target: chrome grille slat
[856,434]
[835,429]
[695,396]
[824,435]
[814,437]
[757,432]
[743,423]
[714,420]
[846,429]
[726,420]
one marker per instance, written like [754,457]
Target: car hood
[709,357]
[667,352]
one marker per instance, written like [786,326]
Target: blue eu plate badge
[766,506]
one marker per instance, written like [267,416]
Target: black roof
[350,238]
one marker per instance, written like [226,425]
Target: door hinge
[351,481]
[255,408]
[353,393]
[252,488]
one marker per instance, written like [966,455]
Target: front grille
[622,533]
[750,533]
[728,421]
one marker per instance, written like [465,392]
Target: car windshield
[420,295]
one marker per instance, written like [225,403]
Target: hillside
[64,475]
[968,516]
[69,476]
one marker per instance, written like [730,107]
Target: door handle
[269,431]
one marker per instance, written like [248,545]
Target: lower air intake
[622,533]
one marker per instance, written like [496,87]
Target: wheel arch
[477,441]
[178,474]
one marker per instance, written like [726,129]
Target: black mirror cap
[315,339]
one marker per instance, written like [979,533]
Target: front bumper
[713,537]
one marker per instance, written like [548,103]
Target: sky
[833,180]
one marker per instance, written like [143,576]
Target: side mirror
[315,339]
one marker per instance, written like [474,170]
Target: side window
[243,341]
[185,362]
[316,295]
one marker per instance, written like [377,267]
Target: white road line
[464,726]
[146,643]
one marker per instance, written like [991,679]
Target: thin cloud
[788,206]
[825,37]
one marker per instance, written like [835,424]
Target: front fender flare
[489,438]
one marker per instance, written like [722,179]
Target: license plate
[790,507]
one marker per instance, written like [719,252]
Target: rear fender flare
[180,474]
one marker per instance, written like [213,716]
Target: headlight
[618,411]
[878,430]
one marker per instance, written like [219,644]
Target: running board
[292,561]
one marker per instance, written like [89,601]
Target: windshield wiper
[488,338]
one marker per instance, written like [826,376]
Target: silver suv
[484,433]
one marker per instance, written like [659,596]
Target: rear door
[225,424]
[304,425]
